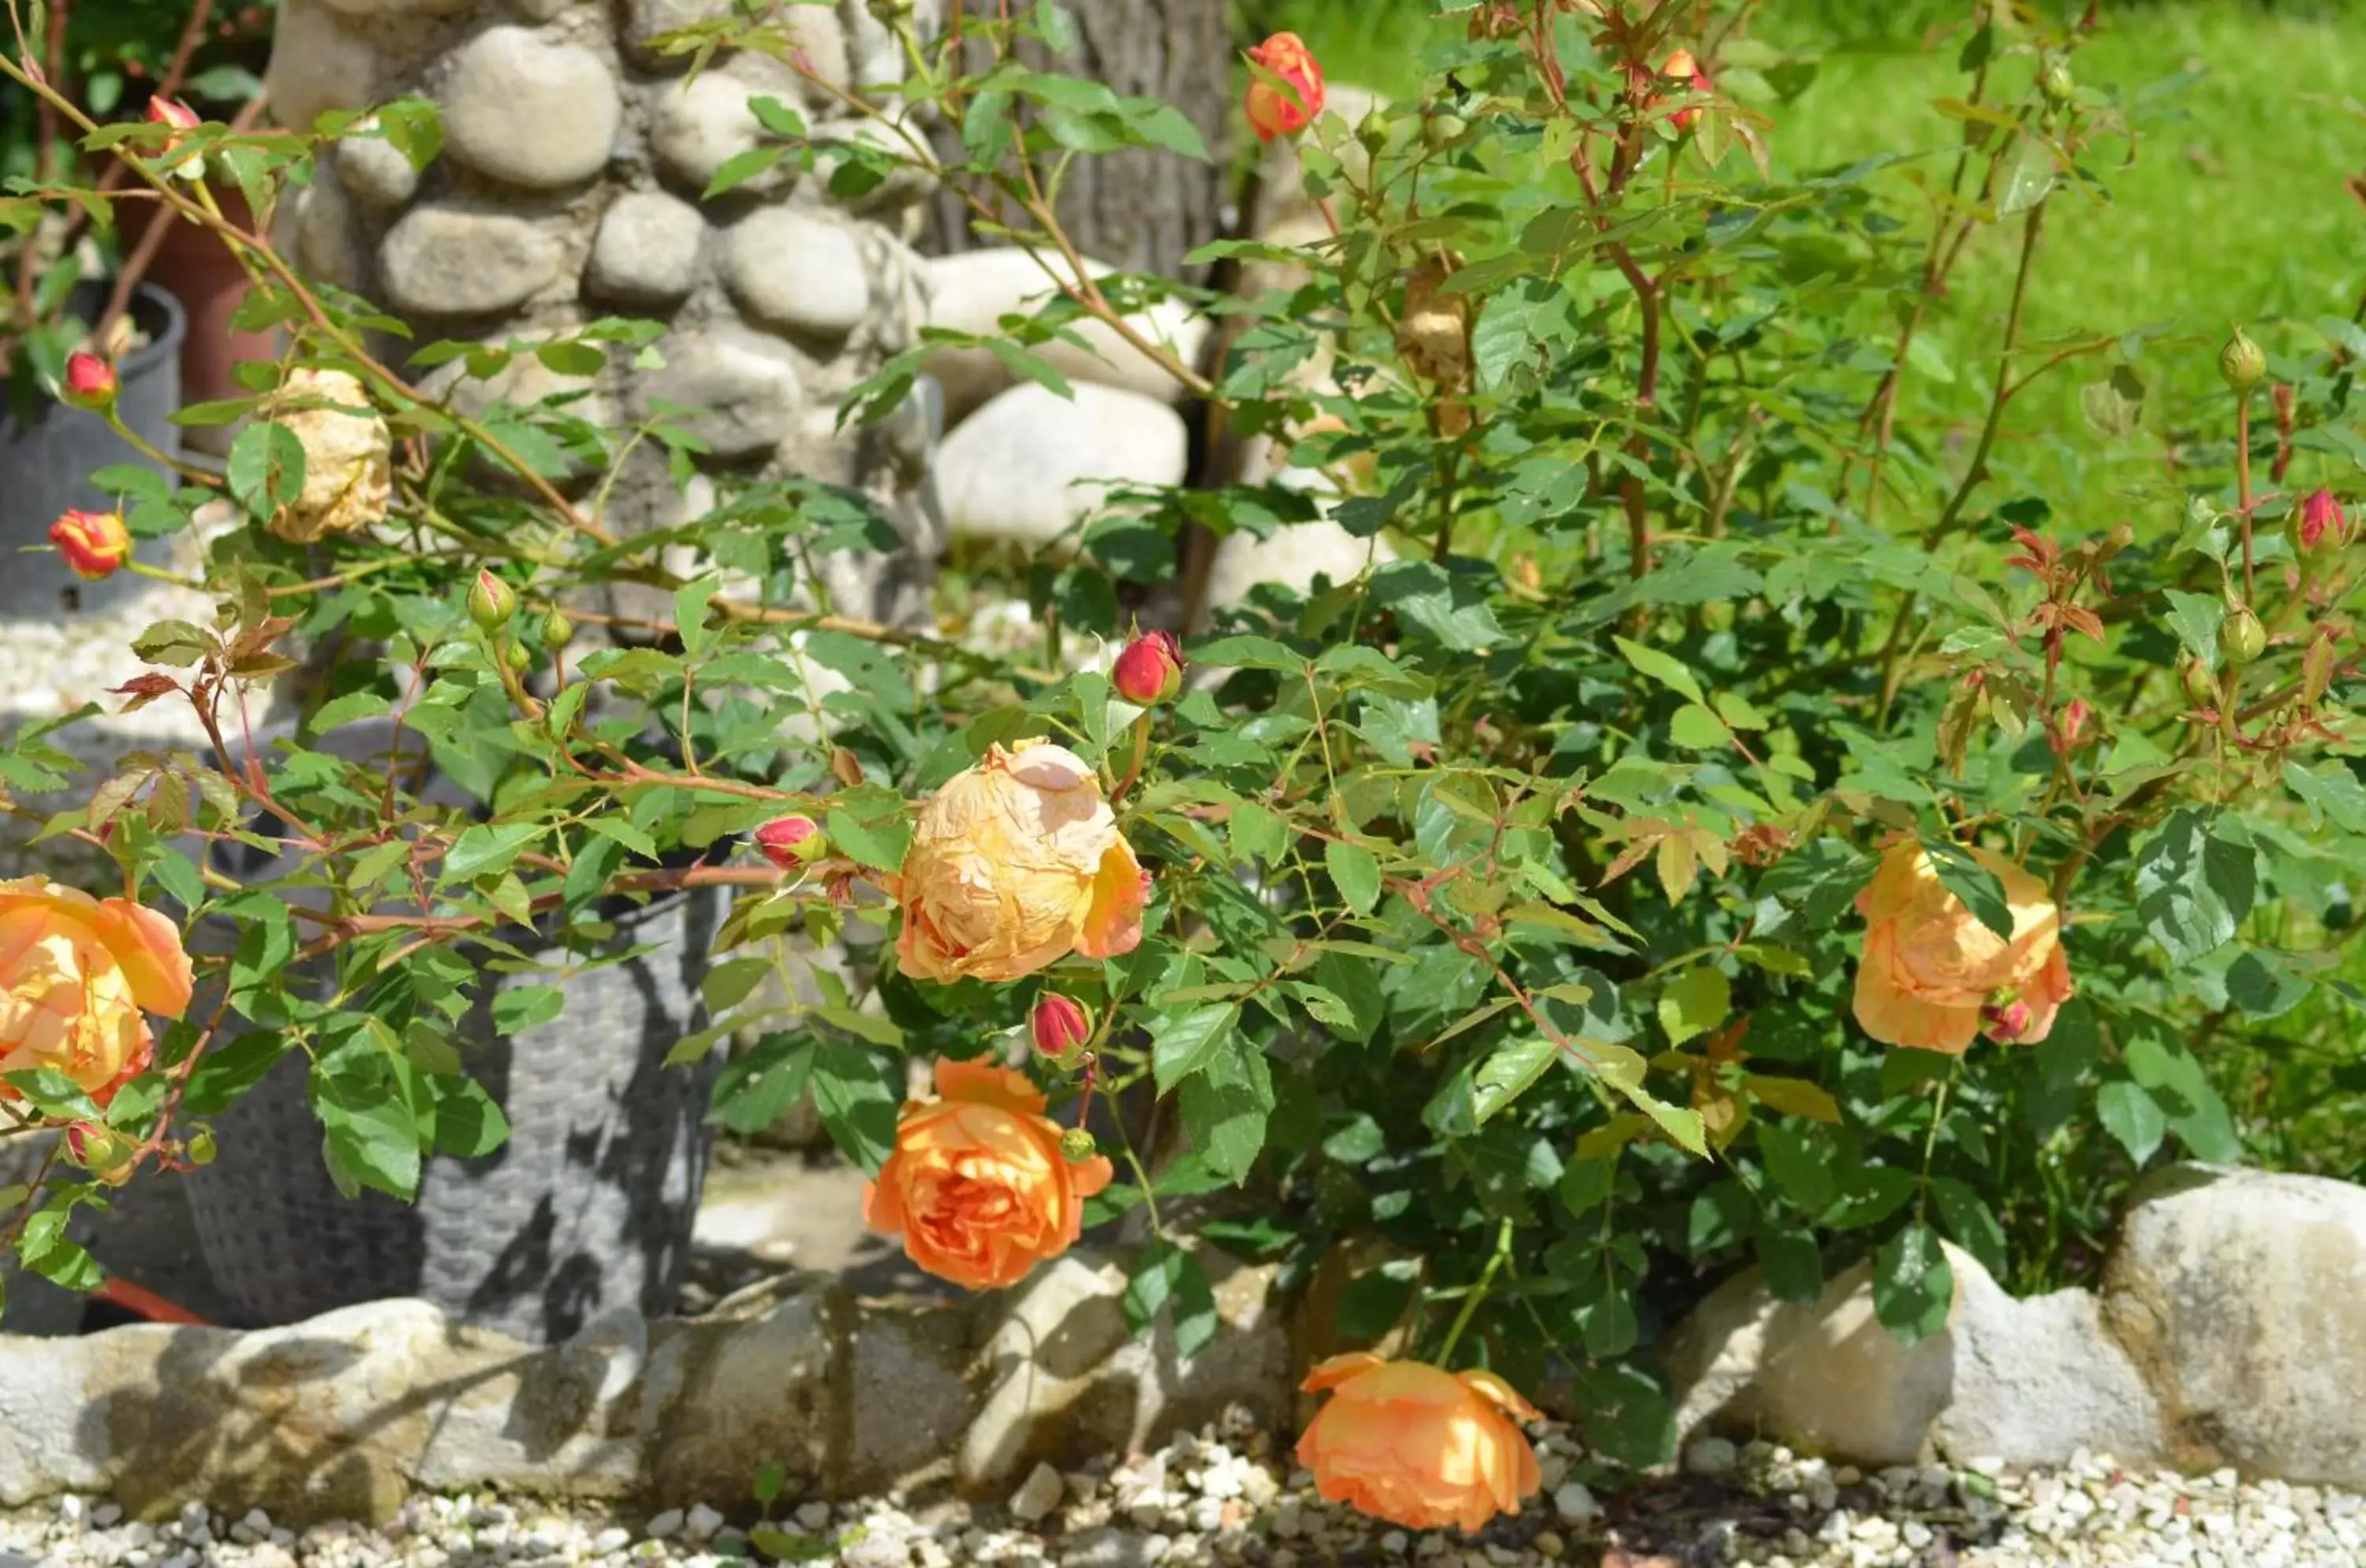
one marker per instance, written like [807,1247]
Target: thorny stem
[1977,469]
[2243,481]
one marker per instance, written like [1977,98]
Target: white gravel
[1221,1499]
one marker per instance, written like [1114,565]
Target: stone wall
[569,188]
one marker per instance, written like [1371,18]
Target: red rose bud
[1684,71]
[1060,1024]
[93,543]
[2008,1023]
[1150,670]
[90,382]
[2319,516]
[790,841]
[1289,106]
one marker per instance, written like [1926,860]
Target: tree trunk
[1141,211]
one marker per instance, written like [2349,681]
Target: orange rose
[978,1186]
[1417,1446]
[1684,71]
[1014,864]
[1290,107]
[1931,974]
[75,973]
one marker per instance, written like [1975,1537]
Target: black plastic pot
[589,1205]
[48,455]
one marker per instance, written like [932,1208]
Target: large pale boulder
[1067,1380]
[973,291]
[2242,1295]
[1031,464]
[2029,1382]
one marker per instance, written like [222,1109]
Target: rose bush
[1476,923]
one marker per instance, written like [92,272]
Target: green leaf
[1794,1269]
[1507,1073]
[468,1125]
[1183,1044]
[741,167]
[1663,668]
[1799,1163]
[2194,887]
[2333,794]
[1226,1106]
[266,468]
[2195,618]
[759,1088]
[1694,1002]
[859,1092]
[1697,728]
[523,1006]
[2132,1116]
[1969,1220]
[1586,1184]
[1355,873]
[488,847]
[1979,888]
[54,1094]
[1913,1286]
[1628,1418]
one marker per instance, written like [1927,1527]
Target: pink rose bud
[2074,723]
[790,841]
[2321,515]
[90,382]
[173,113]
[1291,106]
[1060,1024]
[1150,670]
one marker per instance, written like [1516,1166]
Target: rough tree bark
[1140,211]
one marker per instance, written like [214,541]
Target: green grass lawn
[2234,208]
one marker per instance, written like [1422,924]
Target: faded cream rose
[1931,977]
[348,455]
[1016,863]
[76,975]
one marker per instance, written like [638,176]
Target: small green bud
[2121,536]
[2241,363]
[200,1148]
[491,602]
[2054,81]
[2241,638]
[2201,686]
[1444,128]
[1077,1145]
[2200,512]
[557,629]
[1372,130]
[520,657]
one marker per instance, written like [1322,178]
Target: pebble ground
[1226,1497]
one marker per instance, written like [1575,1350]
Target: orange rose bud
[1150,670]
[1291,106]
[980,1185]
[790,841]
[89,381]
[1416,1445]
[1060,1024]
[93,543]
[2319,516]
[1683,70]
[1932,976]
[99,1151]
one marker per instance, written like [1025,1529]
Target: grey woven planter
[588,1206]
